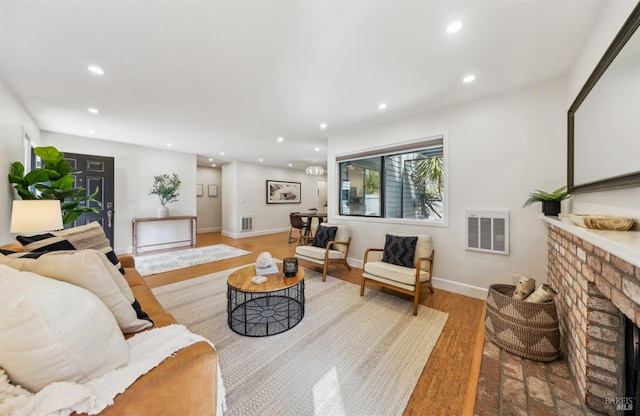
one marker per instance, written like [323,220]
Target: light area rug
[158,263]
[349,355]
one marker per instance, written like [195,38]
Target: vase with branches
[166,187]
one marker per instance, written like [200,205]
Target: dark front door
[95,172]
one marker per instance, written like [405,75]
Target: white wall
[209,208]
[500,149]
[135,167]
[625,202]
[249,197]
[14,119]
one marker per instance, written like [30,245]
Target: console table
[192,236]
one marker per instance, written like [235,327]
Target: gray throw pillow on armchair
[400,250]
[323,236]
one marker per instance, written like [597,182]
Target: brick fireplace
[596,289]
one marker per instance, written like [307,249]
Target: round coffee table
[269,308]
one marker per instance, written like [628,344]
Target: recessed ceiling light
[323,126]
[92,131]
[317,149]
[382,106]
[221,153]
[469,78]
[210,160]
[454,27]
[93,110]
[280,139]
[260,160]
[96,69]
[290,164]
[214,165]
[169,145]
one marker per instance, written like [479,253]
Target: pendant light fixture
[315,170]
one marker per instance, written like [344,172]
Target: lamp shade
[36,215]
[315,170]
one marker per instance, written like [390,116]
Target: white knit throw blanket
[146,351]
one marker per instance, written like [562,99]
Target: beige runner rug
[148,264]
[348,356]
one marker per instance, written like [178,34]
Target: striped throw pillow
[90,236]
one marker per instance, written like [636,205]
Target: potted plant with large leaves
[166,187]
[550,200]
[53,180]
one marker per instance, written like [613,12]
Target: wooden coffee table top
[241,280]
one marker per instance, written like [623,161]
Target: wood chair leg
[324,272]
[362,287]
[416,300]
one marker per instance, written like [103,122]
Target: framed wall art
[199,190]
[213,190]
[280,192]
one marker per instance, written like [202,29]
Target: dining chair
[296,222]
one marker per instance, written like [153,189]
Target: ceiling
[233,76]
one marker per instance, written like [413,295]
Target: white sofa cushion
[55,331]
[343,234]
[90,270]
[318,253]
[405,275]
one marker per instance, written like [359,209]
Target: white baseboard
[208,230]
[444,284]
[460,288]
[246,234]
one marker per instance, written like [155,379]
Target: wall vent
[247,223]
[488,231]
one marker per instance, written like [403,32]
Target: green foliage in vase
[166,187]
[53,181]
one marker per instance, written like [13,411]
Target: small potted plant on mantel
[166,187]
[550,200]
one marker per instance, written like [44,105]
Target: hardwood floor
[451,370]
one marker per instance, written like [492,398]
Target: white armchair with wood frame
[330,245]
[404,265]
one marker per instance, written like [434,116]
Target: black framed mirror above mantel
[603,146]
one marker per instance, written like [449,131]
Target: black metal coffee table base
[260,314]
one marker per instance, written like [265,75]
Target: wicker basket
[529,330]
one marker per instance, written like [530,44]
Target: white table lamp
[36,215]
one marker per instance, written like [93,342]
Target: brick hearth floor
[510,385]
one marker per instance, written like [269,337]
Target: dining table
[311,215]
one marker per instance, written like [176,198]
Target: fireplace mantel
[597,276]
[622,244]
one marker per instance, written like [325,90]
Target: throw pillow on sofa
[54,331]
[90,270]
[77,238]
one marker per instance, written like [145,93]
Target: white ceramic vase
[162,211]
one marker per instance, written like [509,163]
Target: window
[403,182]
